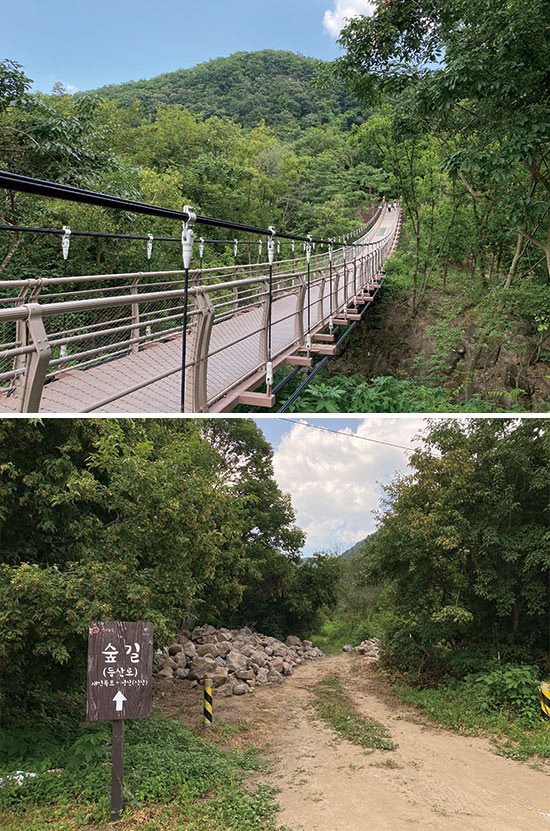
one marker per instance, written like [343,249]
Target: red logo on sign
[94,630]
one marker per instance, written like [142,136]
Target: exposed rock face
[369,648]
[235,660]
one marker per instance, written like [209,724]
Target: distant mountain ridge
[247,87]
[355,549]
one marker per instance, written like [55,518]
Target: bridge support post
[37,364]
[300,304]
[321,298]
[201,348]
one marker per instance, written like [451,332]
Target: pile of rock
[235,659]
[370,648]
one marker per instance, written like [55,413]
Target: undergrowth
[503,703]
[176,778]
[386,394]
[337,709]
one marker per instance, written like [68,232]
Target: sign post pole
[120,670]
[117,770]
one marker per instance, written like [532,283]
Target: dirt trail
[434,780]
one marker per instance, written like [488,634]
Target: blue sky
[336,481]
[88,44]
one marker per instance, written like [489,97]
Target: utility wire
[348,435]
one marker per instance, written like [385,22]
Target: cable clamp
[269,374]
[201,247]
[188,235]
[149,246]
[308,248]
[271,244]
[330,324]
[260,246]
[330,250]
[235,248]
[66,241]
[308,341]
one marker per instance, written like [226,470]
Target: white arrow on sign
[118,699]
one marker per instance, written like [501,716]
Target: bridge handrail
[156,317]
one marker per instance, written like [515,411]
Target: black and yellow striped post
[208,712]
[545,701]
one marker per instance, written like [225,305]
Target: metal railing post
[135,314]
[37,364]
[199,402]
[301,293]
[321,297]
[17,383]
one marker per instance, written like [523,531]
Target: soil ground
[435,779]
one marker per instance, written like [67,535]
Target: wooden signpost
[120,672]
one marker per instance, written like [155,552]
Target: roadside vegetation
[172,778]
[454,582]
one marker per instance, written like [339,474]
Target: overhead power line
[349,435]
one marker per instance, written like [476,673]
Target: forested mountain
[247,87]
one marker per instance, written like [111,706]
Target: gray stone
[287,668]
[262,676]
[167,672]
[307,643]
[276,664]
[280,651]
[240,689]
[274,676]
[171,663]
[235,661]
[202,667]
[174,648]
[182,674]
[181,659]
[225,691]
[245,674]
[219,677]
[190,649]
[347,648]
[224,648]
[207,649]
[292,640]
[258,658]
[268,650]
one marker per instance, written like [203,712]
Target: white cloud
[335,483]
[335,20]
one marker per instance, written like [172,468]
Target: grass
[457,707]
[336,708]
[172,780]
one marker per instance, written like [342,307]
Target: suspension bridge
[195,340]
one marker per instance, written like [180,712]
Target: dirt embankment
[433,780]
[391,340]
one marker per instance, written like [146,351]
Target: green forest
[182,521]
[445,106]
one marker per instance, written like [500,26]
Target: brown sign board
[120,671]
